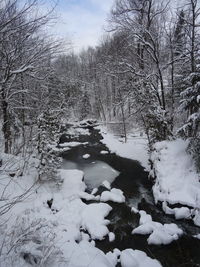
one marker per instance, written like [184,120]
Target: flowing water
[130,177]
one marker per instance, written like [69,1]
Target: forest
[131,107]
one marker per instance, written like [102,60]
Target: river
[130,177]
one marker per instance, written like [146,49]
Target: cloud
[82,21]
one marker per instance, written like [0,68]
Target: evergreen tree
[48,137]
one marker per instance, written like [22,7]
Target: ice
[94,174]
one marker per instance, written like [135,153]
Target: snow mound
[93,220]
[176,178]
[137,258]
[72,183]
[115,195]
[85,254]
[86,156]
[159,234]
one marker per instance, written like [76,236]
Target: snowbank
[50,221]
[176,179]
[137,258]
[136,147]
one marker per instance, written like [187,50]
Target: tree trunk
[6,125]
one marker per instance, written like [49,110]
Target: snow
[93,220]
[160,234]
[180,213]
[176,178]
[104,152]
[61,226]
[85,254]
[115,195]
[94,173]
[136,147]
[111,236]
[106,184]
[86,156]
[72,144]
[77,131]
[94,191]
[72,183]
[134,210]
[197,236]
[137,258]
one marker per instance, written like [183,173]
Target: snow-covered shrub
[157,124]
[28,243]
[191,104]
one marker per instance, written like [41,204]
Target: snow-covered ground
[177,181]
[52,226]
[135,148]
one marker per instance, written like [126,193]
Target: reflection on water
[94,173]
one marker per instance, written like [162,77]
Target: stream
[129,176]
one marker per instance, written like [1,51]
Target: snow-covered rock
[160,234]
[93,219]
[115,195]
[86,156]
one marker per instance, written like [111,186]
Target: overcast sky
[82,21]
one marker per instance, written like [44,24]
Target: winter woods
[145,70]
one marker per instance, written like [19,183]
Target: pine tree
[48,137]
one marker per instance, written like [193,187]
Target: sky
[82,21]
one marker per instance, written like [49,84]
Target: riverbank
[177,184]
[136,147]
[50,225]
[77,225]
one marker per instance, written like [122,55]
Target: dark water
[133,181]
